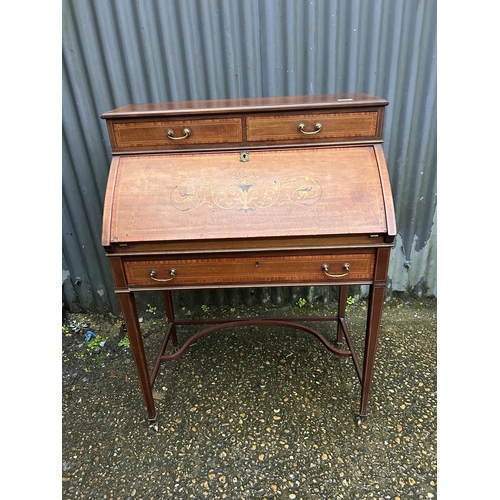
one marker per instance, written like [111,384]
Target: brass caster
[360,420]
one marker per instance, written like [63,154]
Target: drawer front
[251,270]
[174,134]
[349,126]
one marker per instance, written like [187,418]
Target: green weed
[301,302]
[125,343]
[350,302]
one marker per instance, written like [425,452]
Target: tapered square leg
[127,303]
[169,309]
[376,300]
[341,311]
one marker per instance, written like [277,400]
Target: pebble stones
[259,413]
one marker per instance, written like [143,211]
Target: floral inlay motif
[246,191]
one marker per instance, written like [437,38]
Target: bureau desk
[258,192]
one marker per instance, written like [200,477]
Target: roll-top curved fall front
[277,193]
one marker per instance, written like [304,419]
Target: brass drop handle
[173,274]
[170,134]
[317,128]
[345,267]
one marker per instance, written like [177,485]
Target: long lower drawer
[251,270]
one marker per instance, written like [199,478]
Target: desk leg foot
[360,420]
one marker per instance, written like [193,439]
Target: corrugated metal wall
[133,51]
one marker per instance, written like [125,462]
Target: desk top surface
[239,105]
[292,192]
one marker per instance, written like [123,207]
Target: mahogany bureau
[258,192]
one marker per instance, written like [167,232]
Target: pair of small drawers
[245,131]
[250,270]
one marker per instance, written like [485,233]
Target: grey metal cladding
[130,51]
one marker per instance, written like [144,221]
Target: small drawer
[178,134]
[327,269]
[317,127]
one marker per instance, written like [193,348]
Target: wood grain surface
[276,193]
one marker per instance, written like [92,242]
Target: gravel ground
[254,412]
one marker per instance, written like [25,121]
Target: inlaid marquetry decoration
[246,191]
